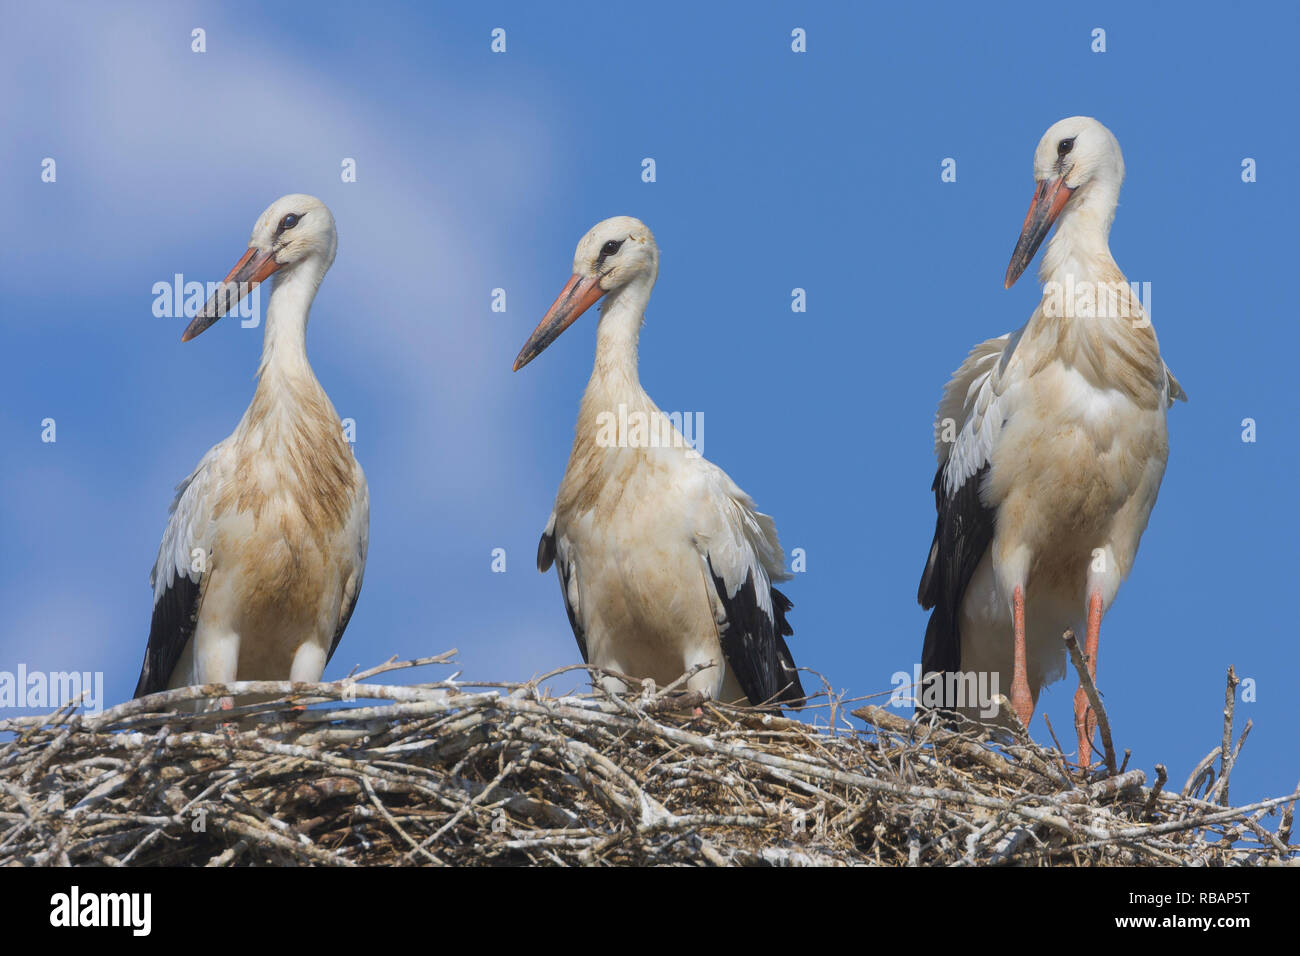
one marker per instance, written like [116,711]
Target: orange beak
[577,296]
[249,272]
[1050,197]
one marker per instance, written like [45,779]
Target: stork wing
[742,557]
[975,405]
[1174,391]
[179,574]
[356,531]
[551,550]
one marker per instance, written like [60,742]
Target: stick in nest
[1094,699]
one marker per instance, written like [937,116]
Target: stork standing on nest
[1052,443]
[261,563]
[663,562]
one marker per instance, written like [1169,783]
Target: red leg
[1085,721]
[1021,700]
[228,727]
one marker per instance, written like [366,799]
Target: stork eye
[288,222]
[611,247]
[1064,146]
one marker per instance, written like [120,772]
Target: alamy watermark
[1086,299]
[74,908]
[975,690]
[180,299]
[638,429]
[32,689]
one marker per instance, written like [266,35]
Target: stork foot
[228,728]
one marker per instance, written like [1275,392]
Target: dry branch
[1079,660]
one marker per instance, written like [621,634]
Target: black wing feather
[546,554]
[963,532]
[174,617]
[754,644]
[343,624]
[546,551]
[789,673]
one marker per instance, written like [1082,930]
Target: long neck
[1088,317]
[290,443]
[613,393]
[289,402]
[288,398]
[1080,249]
[614,374]
[284,347]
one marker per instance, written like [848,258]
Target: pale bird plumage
[264,553]
[664,563]
[1051,444]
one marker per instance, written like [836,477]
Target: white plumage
[263,556]
[664,563]
[1051,443]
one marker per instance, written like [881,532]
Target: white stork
[663,562]
[1052,443]
[262,559]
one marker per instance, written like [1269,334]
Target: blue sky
[775,170]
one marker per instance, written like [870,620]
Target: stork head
[613,255]
[293,230]
[1076,158]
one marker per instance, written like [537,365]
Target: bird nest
[365,773]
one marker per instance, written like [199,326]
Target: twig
[1162,777]
[1229,705]
[1094,699]
[1200,772]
